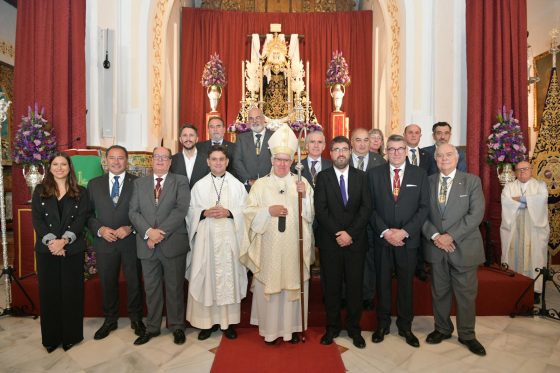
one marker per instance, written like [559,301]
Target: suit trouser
[402,261]
[109,267]
[158,270]
[462,282]
[61,293]
[369,267]
[343,267]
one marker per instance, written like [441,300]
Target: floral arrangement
[90,261]
[35,141]
[299,125]
[505,143]
[337,72]
[238,127]
[214,72]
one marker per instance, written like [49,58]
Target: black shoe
[367,305]
[409,338]
[230,332]
[436,337]
[379,335]
[51,348]
[422,275]
[204,334]
[537,298]
[67,346]
[295,338]
[145,338]
[358,340]
[328,337]
[106,328]
[474,346]
[138,326]
[179,337]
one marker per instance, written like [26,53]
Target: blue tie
[115,191]
[343,190]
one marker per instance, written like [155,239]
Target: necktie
[157,189]
[313,170]
[442,193]
[115,190]
[361,162]
[343,190]
[414,158]
[258,143]
[396,184]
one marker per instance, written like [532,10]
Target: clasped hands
[395,237]
[155,236]
[56,247]
[216,212]
[111,235]
[444,242]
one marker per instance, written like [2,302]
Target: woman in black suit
[59,210]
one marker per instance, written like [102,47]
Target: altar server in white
[217,279]
[271,248]
[525,228]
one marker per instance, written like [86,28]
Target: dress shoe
[206,333]
[358,340]
[51,348]
[230,332]
[367,305]
[379,335]
[295,338]
[474,346]
[106,328]
[436,337]
[328,337]
[145,338]
[409,338]
[422,275]
[67,346]
[179,337]
[138,326]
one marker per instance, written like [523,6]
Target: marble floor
[513,345]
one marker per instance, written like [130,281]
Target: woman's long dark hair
[50,189]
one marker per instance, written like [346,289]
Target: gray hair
[452,146]
[319,132]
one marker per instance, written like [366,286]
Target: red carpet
[249,353]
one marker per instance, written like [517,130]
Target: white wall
[8,16]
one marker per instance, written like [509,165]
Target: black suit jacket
[306,172]
[409,211]
[204,146]
[426,160]
[246,163]
[200,168]
[333,216]
[103,213]
[374,160]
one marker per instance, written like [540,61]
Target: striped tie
[396,184]
[442,199]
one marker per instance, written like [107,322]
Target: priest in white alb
[271,247]
[217,279]
[525,229]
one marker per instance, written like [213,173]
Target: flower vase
[33,177]
[337,93]
[214,93]
[505,174]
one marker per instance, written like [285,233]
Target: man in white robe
[217,279]
[525,229]
[271,251]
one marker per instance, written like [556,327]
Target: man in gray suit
[190,162]
[251,159]
[158,209]
[454,247]
[114,243]
[315,143]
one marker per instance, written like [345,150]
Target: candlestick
[262,84]
[243,81]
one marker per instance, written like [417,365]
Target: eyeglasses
[159,157]
[340,150]
[251,119]
[282,160]
[400,150]
[523,169]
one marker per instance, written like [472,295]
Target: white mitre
[283,141]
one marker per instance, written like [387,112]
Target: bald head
[523,171]
[255,119]
[360,141]
[412,134]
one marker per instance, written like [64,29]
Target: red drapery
[497,75]
[207,31]
[50,70]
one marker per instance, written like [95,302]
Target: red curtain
[497,76]
[207,31]
[50,70]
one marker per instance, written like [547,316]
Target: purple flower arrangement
[337,72]
[298,126]
[505,143]
[35,141]
[238,127]
[214,72]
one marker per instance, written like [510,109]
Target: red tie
[396,184]
[157,189]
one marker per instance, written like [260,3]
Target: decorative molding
[157,65]
[293,6]
[393,9]
[7,49]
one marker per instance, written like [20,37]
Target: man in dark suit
[400,206]
[217,129]
[114,243]
[314,163]
[454,247]
[364,160]
[252,158]
[158,209]
[189,161]
[441,133]
[342,208]
[417,157]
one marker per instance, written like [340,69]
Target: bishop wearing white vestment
[525,229]
[271,247]
[217,279]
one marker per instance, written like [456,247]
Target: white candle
[243,81]
[307,79]
[262,84]
[289,87]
